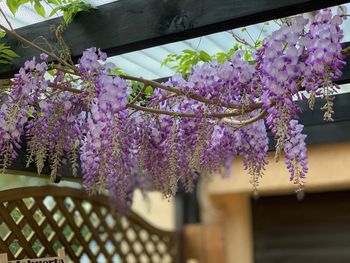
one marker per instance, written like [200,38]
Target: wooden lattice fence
[37,221]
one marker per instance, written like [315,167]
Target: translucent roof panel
[26,15]
[212,44]
[146,63]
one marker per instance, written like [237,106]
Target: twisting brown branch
[8,82]
[5,82]
[145,109]
[63,69]
[241,40]
[182,114]
[261,115]
[56,86]
[165,87]
[176,92]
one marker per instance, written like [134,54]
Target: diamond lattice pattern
[37,221]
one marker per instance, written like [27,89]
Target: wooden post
[61,253]
[3,258]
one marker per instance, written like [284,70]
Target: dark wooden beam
[129,25]
[317,130]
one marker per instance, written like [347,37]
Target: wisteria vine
[188,127]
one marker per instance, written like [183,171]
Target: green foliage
[118,71]
[149,91]
[6,54]
[222,57]
[136,87]
[69,8]
[186,60]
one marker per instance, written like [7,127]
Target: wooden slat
[33,224]
[57,229]
[95,234]
[109,232]
[17,231]
[144,243]
[4,247]
[128,25]
[118,226]
[76,230]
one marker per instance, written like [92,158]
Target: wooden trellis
[37,221]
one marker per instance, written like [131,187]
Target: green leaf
[118,71]
[55,10]
[52,72]
[247,56]
[55,2]
[9,53]
[204,56]
[149,91]
[2,34]
[72,8]
[13,5]
[67,17]
[30,114]
[2,61]
[39,9]
[189,51]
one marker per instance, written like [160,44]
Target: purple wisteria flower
[189,126]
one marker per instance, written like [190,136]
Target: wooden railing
[37,221]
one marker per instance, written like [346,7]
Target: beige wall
[227,201]
[156,210]
[329,168]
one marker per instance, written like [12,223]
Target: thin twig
[139,94]
[346,51]
[25,41]
[56,86]
[60,68]
[246,30]
[7,21]
[241,40]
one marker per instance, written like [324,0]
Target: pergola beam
[130,25]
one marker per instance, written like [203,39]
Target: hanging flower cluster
[189,126]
